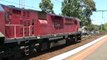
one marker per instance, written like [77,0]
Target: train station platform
[99,54]
[95,50]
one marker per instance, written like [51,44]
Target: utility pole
[102,13]
[102,17]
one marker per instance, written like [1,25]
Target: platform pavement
[85,52]
[99,54]
[98,51]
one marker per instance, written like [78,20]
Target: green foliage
[71,8]
[93,27]
[46,6]
[103,27]
[81,9]
[90,4]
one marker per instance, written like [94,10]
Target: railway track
[44,55]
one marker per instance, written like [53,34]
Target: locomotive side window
[7,14]
[42,15]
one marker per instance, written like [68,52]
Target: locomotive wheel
[79,37]
[71,40]
[33,48]
[38,49]
[75,39]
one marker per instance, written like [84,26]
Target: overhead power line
[58,1]
[21,2]
[18,4]
[102,13]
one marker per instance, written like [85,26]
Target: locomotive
[23,31]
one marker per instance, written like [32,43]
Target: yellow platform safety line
[81,55]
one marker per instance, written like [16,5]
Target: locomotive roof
[56,15]
[13,7]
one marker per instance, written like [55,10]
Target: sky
[34,4]
[97,17]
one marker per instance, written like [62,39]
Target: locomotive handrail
[14,25]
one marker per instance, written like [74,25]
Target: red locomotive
[27,30]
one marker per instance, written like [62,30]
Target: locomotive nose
[2,37]
[2,19]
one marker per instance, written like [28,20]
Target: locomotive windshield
[1,9]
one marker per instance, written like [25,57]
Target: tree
[81,9]
[90,4]
[89,7]
[93,27]
[70,8]
[46,6]
[103,27]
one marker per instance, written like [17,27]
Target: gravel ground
[60,49]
